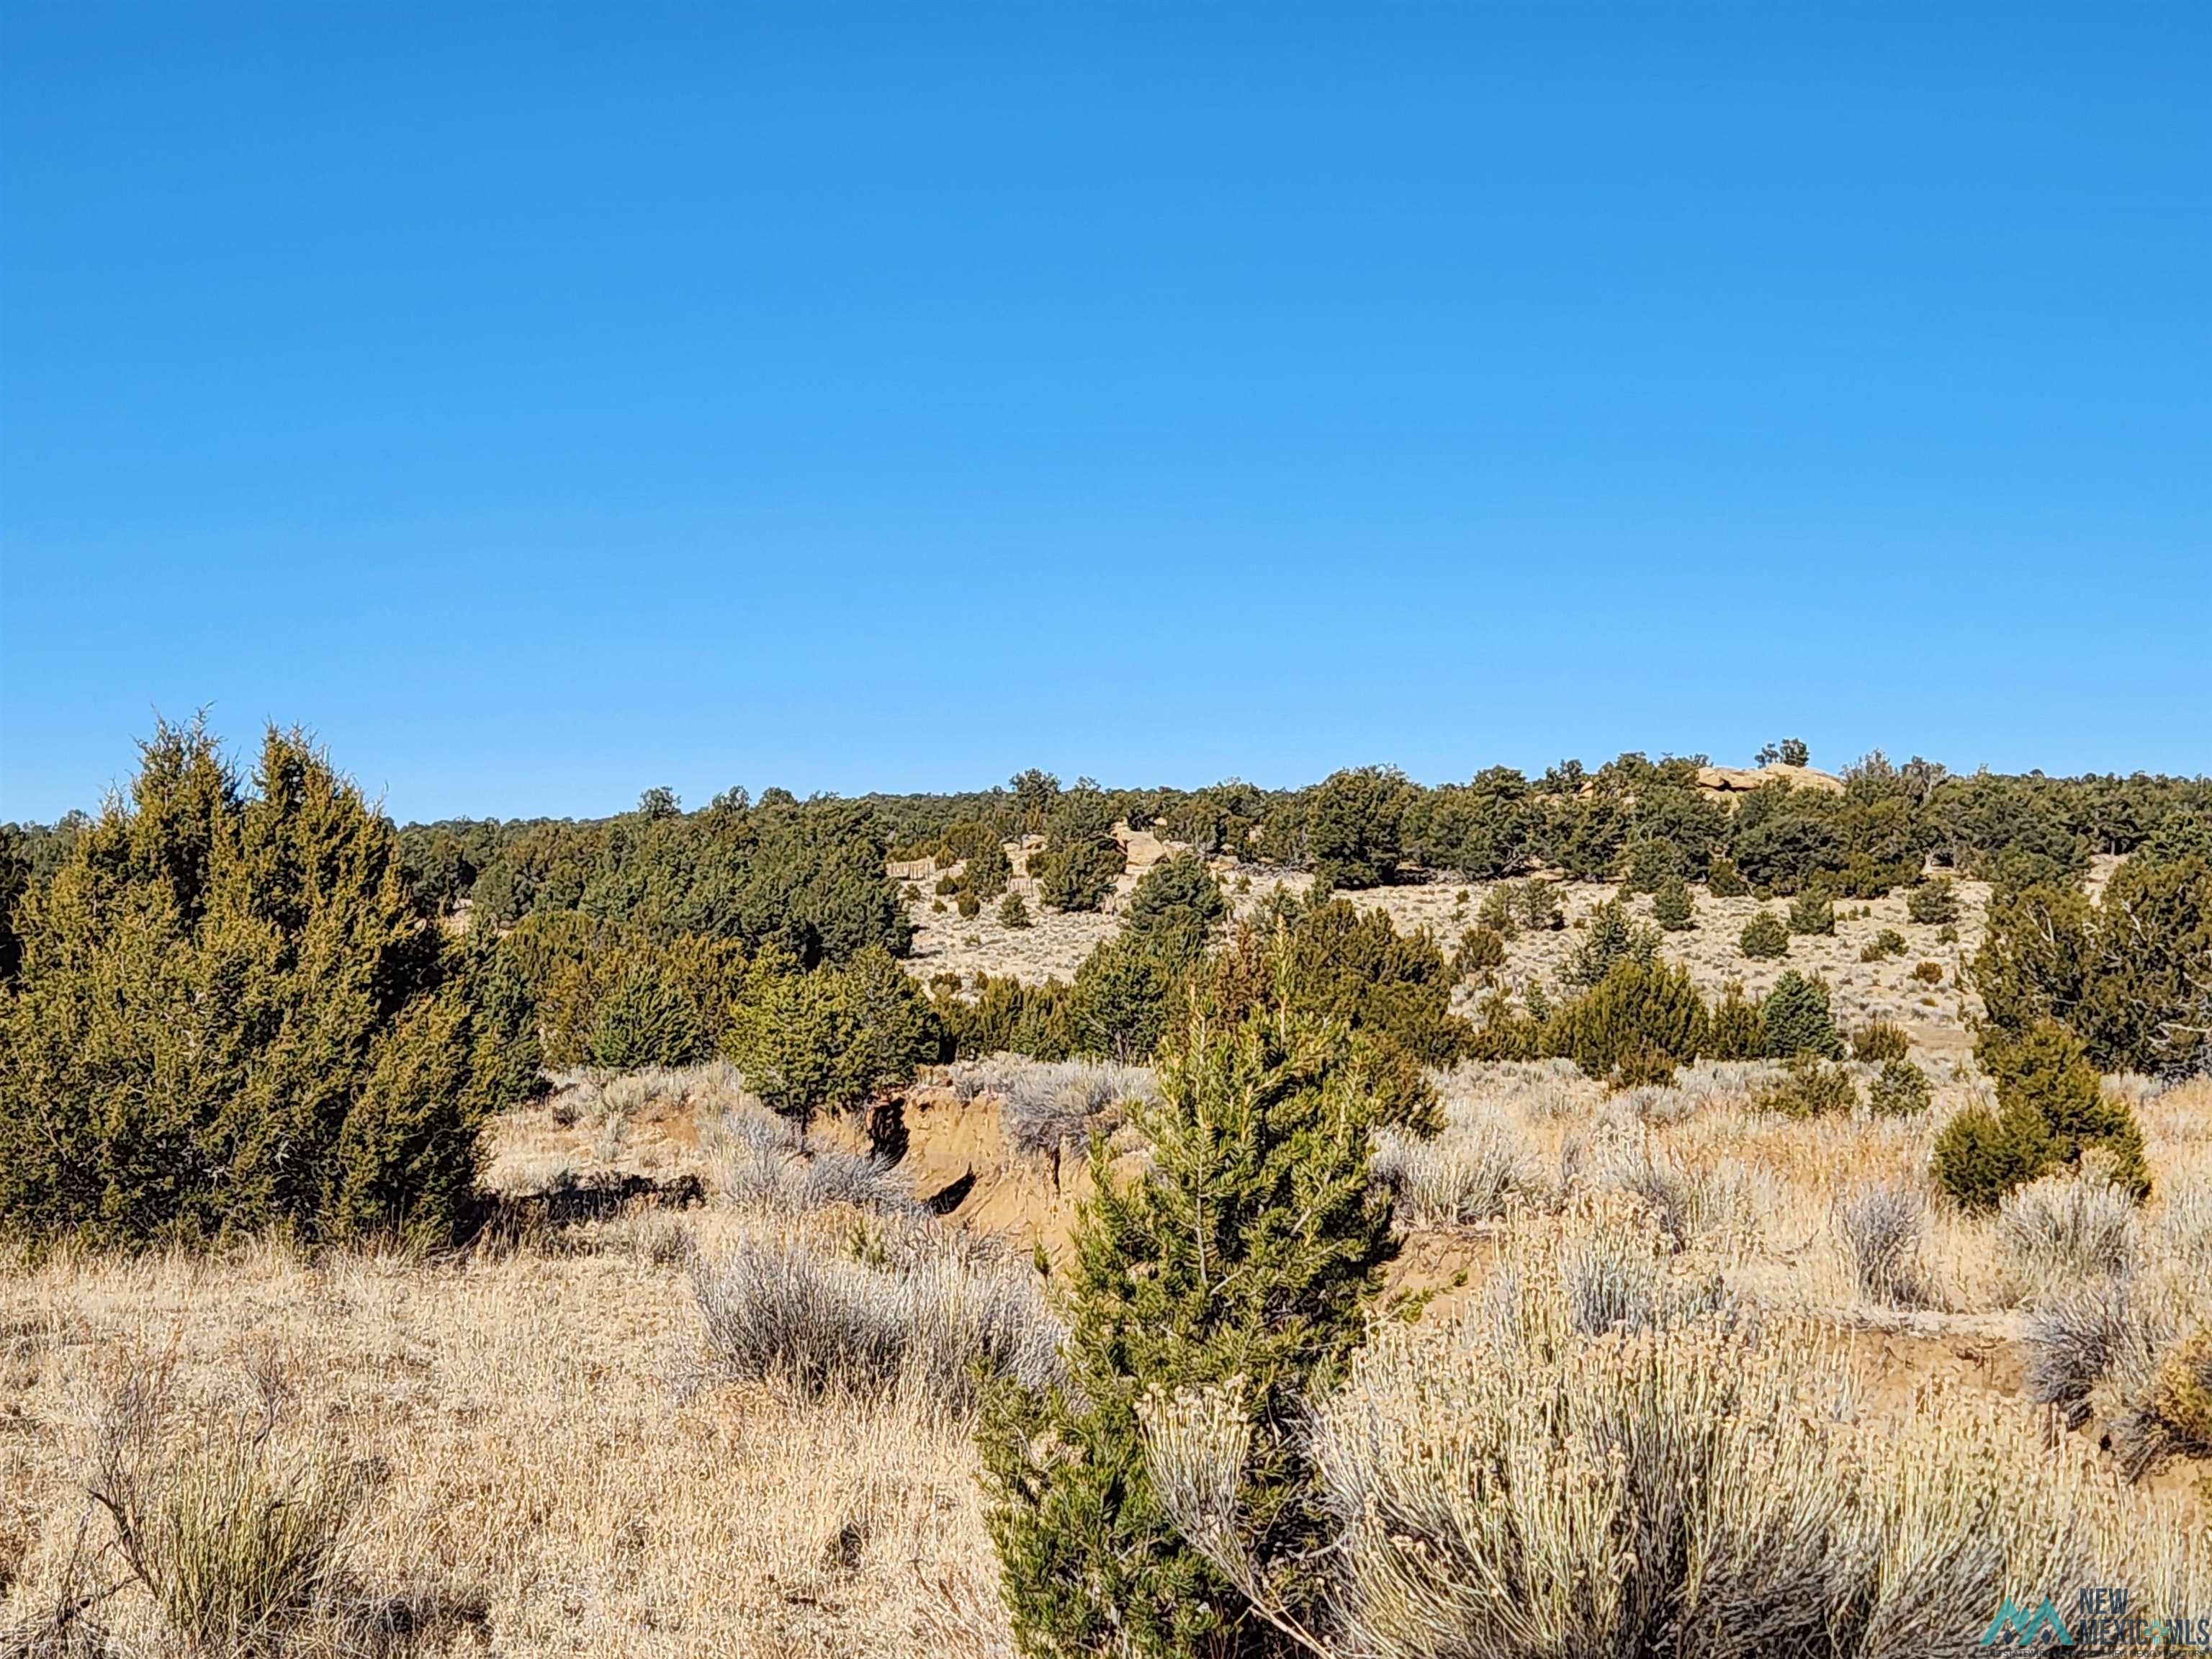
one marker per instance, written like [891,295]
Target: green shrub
[1120,1003]
[1596,830]
[1262,1130]
[1005,1016]
[1981,1155]
[830,1037]
[2128,974]
[1077,874]
[1503,1030]
[1813,913]
[1497,911]
[1933,903]
[1392,990]
[1480,949]
[2051,1114]
[947,886]
[967,905]
[1176,907]
[1013,913]
[645,1020]
[1644,1016]
[1609,936]
[1796,1012]
[1929,973]
[988,870]
[1809,1089]
[967,840]
[231,1014]
[2047,1070]
[1672,907]
[1764,937]
[1880,1040]
[1902,1090]
[1649,864]
[1784,839]
[1354,826]
[1888,943]
[1736,1030]
[1538,904]
[1724,880]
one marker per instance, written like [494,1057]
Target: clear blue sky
[543,403]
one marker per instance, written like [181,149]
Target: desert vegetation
[1546,1216]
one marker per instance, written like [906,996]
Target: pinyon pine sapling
[1902,1090]
[1797,1020]
[1764,937]
[1608,937]
[1813,912]
[1933,903]
[1246,1256]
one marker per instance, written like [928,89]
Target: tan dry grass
[538,1456]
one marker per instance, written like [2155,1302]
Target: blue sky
[546,403]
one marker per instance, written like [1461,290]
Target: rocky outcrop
[1742,779]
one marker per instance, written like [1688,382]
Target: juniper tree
[1645,1015]
[1933,903]
[988,870]
[1250,1250]
[832,1036]
[231,1015]
[1120,1002]
[1354,826]
[1176,907]
[1814,912]
[1764,937]
[2050,1110]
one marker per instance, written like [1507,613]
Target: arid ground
[539,1449]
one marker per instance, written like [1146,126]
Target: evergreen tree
[1764,937]
[830,1037]
[1672,907]
[1355,825]
[1814,912]
[1121,1001]
[1081,857]
[231,1014]
[1176,907]
[1797,1021]
[1608,937]
[1643,1017]
[1251,1250]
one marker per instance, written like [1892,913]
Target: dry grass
[1048,1105]
[535,1470]
[1540,1479]
[742,1428]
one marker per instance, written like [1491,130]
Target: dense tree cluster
[223,998]
[1635,819]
